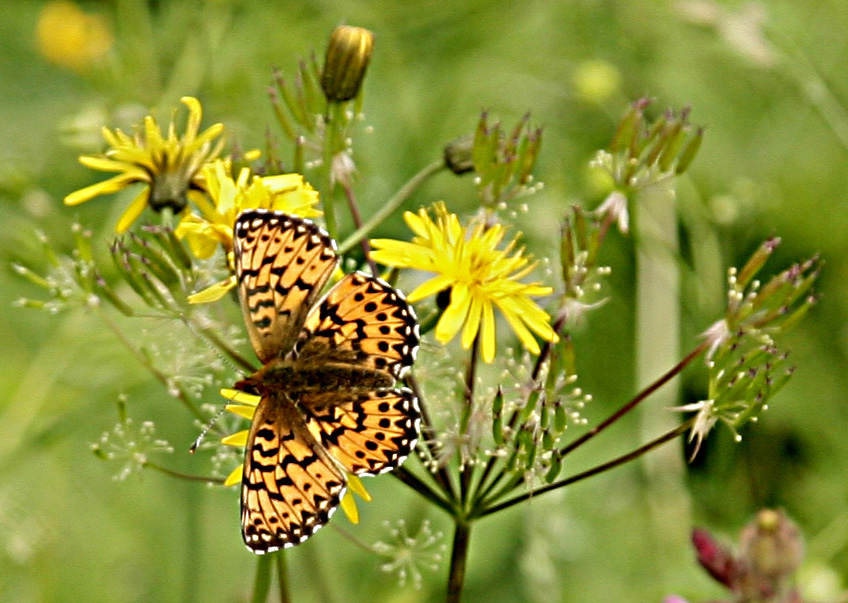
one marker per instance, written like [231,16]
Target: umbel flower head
[169,167]
[479,276]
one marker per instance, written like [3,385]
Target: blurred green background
[767,80]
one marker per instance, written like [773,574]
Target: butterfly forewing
[364,322]
[281,262]
[290,486]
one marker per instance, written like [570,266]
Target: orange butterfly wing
[290,486]
[282,262]
[328,405]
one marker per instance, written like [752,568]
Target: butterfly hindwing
[282,262]
[368,433]
[290,487]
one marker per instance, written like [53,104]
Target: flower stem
[180,475]
[161,377]
[423,489]
[673,372]
[283,574]
[466,471]
[357,221]
[459,559]
[262,579]
[391,205]
[635,454]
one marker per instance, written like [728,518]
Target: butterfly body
[329,405]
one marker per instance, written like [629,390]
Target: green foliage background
[772,163]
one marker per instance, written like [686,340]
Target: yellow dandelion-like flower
[479,275]
[244,405]
[227,198]
[69,37]
[170,167]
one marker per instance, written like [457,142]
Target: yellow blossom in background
[69,37]
[169,167]
[227,198]
[244,405]
[597,81]
[480,277]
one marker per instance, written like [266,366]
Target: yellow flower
[480,277]
[288,193]
[245,406]
[169,167]
[69,37]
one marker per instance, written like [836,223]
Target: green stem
[213,339]
[262,579]
[423,489]
[391,205]
[441,474]
[466,472]
[283,574]
[357,222]
[180,475]
[160,376]
[635,454]
[637,399]
[459,559]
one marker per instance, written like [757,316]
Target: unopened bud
[772,545]
[348,54]
[458,155]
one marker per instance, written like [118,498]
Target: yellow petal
[241,410]
[239,396]
[234,477]
[472,323]
[132,213]
[454,315]
[348,505]
[487,336]
[237,439]
[107,187]
[430,287]
[213,293]
[357,487]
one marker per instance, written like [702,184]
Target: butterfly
[329,404]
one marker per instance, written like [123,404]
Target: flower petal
[234,477]
[455,314]
[133,211]
[213,293]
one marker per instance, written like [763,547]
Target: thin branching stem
[213,339]
[357,221]
[181,475]
[630,456]
[411,480]
[145,362]
[440,474]
[391,206]
[668,376]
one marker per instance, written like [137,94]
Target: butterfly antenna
[206,429]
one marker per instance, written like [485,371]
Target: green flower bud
[348,54]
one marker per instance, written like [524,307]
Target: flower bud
[348,54]
[772,545]
[459,155]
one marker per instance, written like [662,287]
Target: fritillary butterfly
[329,404]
